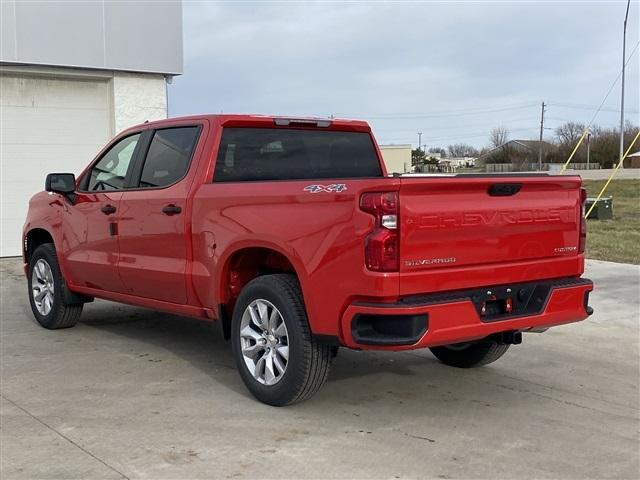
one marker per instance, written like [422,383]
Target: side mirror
[64,183]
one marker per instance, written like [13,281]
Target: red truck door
[153,221]
[92,249]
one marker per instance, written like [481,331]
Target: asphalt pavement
[132,393]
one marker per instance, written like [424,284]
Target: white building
[397,158]
[72,75]
[459,161]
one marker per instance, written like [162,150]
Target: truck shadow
[401,375]
[159,337]
[201,343]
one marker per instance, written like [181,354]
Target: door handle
[171,209]
[504,189]
[108,209]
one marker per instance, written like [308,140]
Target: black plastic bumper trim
[390,330]
[530,298]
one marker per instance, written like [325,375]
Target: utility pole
[541,130]
[624,57]
[419,140]
[588,142]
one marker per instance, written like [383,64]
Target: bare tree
[499,136]
[462,150]
[440,150]
[569,133]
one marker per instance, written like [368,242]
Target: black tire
[308,361]
[61,315]
[470,354]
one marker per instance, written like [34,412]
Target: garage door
[46,125]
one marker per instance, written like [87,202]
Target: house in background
[397,158]
[633,160]
[72,75]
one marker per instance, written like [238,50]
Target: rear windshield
[250,154]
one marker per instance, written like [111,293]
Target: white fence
[533,167]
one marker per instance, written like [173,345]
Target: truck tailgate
[486,229]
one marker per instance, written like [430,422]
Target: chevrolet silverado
[290,233]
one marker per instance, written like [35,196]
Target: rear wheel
[277,357]
[467,355]
[46,290]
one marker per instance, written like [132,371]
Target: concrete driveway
[130,393]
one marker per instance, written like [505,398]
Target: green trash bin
[603,209]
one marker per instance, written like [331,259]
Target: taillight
[381,248]
[583,221]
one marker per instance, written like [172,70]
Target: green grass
[616,240]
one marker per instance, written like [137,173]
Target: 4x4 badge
[333,188]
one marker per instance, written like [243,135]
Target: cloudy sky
[450,70]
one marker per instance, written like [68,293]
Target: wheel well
[242,267]
[34,239]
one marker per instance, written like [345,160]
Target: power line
[467,112]
[560,119]
[580,106]
[438,114]
[458,126]
[566,120]
[459,110]
[456,137]
[612,85]
[478,111]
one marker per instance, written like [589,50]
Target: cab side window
[110,172]
[169,156]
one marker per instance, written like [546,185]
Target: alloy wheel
[264,342]
[42,287]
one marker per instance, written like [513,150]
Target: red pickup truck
[291,235]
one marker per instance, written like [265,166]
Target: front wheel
[46,286]
[467,355]
[276,355]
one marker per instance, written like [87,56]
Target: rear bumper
[441,319]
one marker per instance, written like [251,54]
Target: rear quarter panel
[320,233]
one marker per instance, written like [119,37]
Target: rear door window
[168,157]
[254,154]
